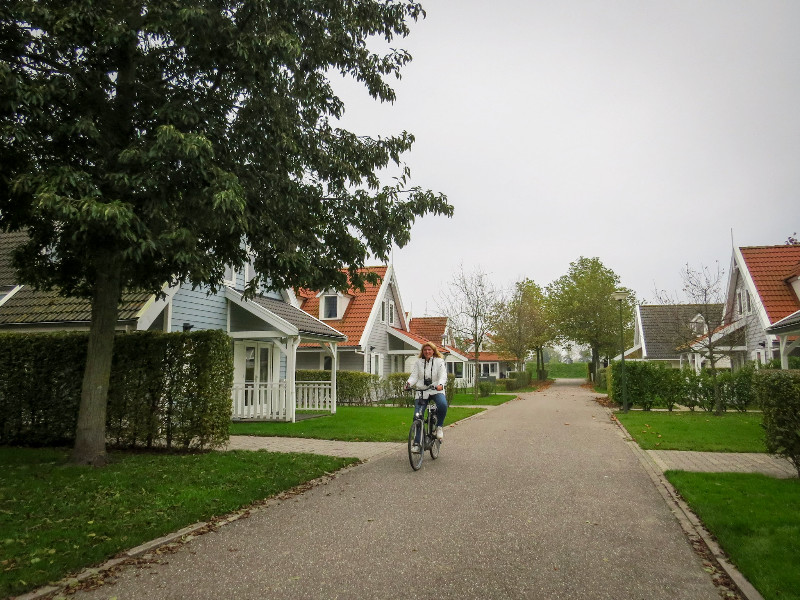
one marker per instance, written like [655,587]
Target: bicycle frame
[424,427]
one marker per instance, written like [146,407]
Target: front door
[253,367]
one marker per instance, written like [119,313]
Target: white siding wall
[202,311]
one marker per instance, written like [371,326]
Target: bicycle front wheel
[416,444]
[435,447]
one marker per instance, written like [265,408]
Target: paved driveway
[539,498]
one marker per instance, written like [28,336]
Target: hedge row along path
[538,498]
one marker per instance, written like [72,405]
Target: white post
[291,361]
[334,367]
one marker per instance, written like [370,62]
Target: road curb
[692,526]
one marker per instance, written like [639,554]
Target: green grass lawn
[698,431]
[491,400]
[756,520]
[350,424]
[57,518]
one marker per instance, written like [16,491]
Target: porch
[271,402]
[266,334]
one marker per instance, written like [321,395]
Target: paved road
[539,498]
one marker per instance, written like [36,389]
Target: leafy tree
[521,324]
[468,304]
[156,141]
[584,311]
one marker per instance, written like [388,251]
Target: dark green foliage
[651,384]
[775,363]
[450,388]
[393,390]
[40,387]
[172,389]
[485,388]
[167,133]
[312,375]
[355,387]
[517,381]
[778,393]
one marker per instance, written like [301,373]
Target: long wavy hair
[436,352]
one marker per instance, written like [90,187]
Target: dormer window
[330,307]
[698,325]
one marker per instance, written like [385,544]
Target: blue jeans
[441,408]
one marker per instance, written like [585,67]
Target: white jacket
[434,368]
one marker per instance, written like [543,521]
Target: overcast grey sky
[638,132]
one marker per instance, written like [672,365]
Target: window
[493,369]
[391,312]
[455,369]
[331,306]
[739,301]
[327,363]
[229,275]
[484,369]
[383,312]
[749,303]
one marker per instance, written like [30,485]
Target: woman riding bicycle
[430,370]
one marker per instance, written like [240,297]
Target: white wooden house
[265,332]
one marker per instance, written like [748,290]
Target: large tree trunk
[90,437]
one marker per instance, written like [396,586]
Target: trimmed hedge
[778,392]
[517,380]
[651,384]
[165,388]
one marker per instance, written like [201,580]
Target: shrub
[775,363]
[355,387]
[312,375]
[778,393]
[172,388]
[602,378]
[450,388]
[393,390]
[485,389]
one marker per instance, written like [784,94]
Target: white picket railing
[315,395]
[271,402]
[268,401]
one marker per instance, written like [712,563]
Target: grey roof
[666,326]
[29,306]
[790,324]
[304,322]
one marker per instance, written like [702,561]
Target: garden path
[538,498]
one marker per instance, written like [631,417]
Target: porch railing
[267,401]
[315,395]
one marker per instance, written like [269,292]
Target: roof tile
[770,267]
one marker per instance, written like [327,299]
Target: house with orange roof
[378,337]
[763,299]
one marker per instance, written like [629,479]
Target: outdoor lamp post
[620,296]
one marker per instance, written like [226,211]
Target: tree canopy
[583,309]
[521,323]
[144,142]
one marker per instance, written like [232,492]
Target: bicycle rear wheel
[416,433]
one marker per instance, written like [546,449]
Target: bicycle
[423,428]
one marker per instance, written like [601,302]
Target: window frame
[325,306]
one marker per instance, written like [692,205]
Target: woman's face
[427,352]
